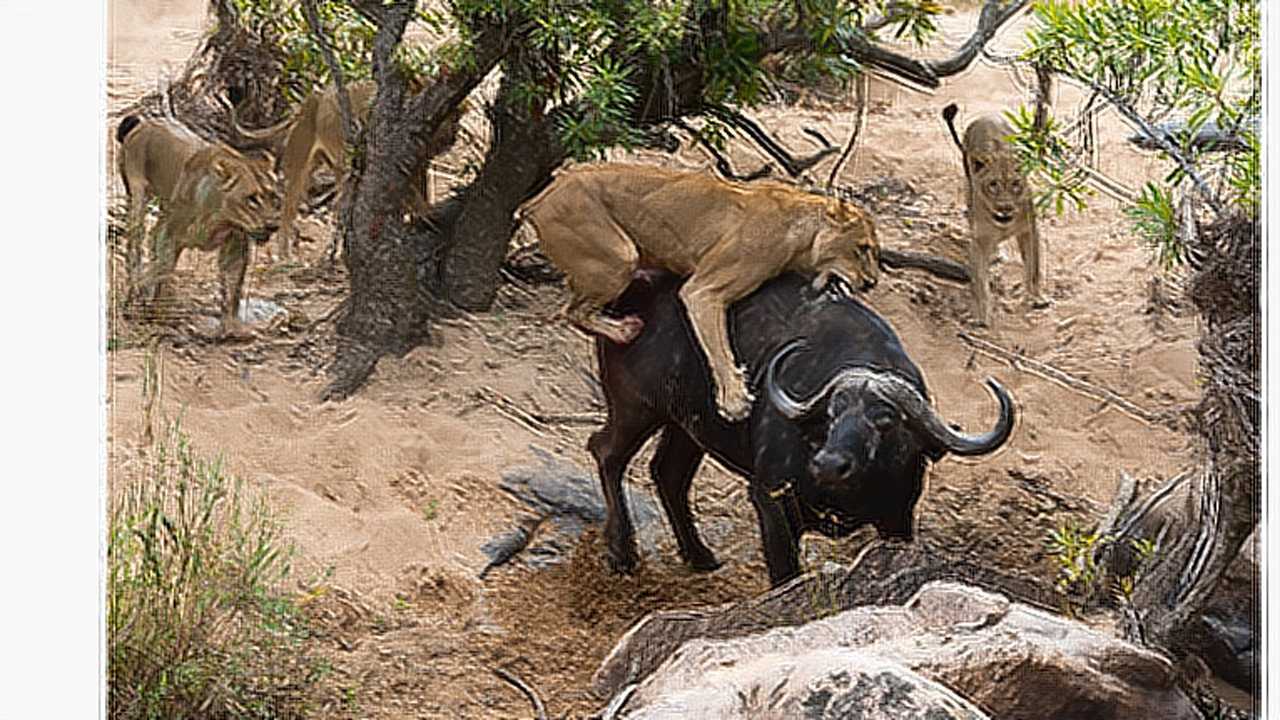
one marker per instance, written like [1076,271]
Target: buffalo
[839,438]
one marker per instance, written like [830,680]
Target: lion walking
[1000,207]
[601,223]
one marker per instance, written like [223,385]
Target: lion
[315,133]
[601,223]
[211,198]
[1000,206]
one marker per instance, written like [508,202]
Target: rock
[833,683]
[564,500]
[1009,659]
[1231,622]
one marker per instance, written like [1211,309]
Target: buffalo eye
[883,418]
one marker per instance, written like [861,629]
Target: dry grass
[197,623]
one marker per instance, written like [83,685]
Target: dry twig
[539,710]
[1044,370]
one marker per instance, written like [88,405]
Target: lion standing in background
[601,223]
[211,198]
[1000,207]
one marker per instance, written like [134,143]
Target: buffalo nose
[830,466]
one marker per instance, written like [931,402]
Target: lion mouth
[1003,218]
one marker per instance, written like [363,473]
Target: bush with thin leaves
[1189,63]
[197,623]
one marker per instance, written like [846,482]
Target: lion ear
[226,174]
[977,164]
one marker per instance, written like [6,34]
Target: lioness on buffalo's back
[842,438]
[1000,206]
[601,223]
[211,198]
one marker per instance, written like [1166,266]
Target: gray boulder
[820,684]
[1009,659]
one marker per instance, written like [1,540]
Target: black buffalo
[839,436]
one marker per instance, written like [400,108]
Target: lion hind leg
[598,261]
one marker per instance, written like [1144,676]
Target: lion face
[847,246]
[237,196]
[999,189]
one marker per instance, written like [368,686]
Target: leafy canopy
[1197,61]
[602,61]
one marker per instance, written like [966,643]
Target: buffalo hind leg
[675,462]
[613,446]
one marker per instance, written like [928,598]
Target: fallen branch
[539,710]
[1044,370]
[794,167]
[942,267]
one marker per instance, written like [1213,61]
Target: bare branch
[794,167]
[335,70]
[539,710]
[859,119]
[927,73]
[1160,135]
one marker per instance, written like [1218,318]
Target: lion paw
[233,331]
[1040,302]
[735,404]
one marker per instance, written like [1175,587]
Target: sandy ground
[389,495]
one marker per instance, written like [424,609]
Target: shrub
[197,622]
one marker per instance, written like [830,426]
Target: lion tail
[126,126]
[949,114]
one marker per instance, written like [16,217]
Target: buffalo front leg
[233,259]
[781,453]
[675,462]
[613,446]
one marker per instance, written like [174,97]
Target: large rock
[834,683]
[1011,660]
[1228,638]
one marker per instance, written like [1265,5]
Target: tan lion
[601,223]
[1000,207]
[314,133]
[211,198]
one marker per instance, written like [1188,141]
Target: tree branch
[748,126]
[335,70]
[926,73]
[1161,136]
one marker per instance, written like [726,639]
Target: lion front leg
[707,313]
[135,230]
[980,251]
[1031,249]
[233,259]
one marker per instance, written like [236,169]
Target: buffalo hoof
[703,562]
[623,562]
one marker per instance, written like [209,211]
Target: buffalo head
[877,421]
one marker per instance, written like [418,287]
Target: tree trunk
[388,312]
[521,157]
[1224,502]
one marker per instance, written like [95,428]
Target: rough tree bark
[522,155]
[1224,502]
[387,313]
